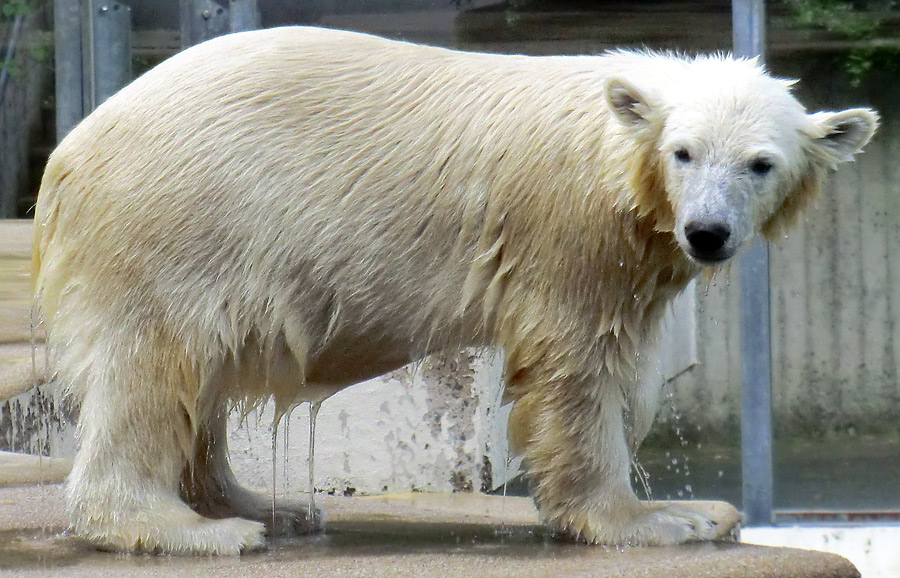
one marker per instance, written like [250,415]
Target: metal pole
[110,31]
[69,72]
[244,15]
[10,54]
[205,19]
[748,20]
[202,20]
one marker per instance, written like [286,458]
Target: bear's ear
[628,103]
[837,136]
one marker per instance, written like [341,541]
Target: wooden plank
[15,281]
[16,372]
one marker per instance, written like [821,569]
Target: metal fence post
[205,19]
[748,20]
[202,20]
[110,49]
[68,59]
[244,15]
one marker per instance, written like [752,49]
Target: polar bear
[283,213]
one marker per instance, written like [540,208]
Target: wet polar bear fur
[290,211]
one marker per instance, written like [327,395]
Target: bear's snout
[707,239]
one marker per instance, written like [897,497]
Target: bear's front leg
[571,432]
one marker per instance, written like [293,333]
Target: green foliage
[38,46]
[41,50]
[9,9]
[14,68]
[859,20]
[841,17]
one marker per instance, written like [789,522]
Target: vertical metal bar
[69,72]
[10,53]
[202,20]
[110,31]
[756,390]
[244,15]
[748,20]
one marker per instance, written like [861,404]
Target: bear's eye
[761,166]
[683,156]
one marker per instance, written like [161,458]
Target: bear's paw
[650,524]
[201,537]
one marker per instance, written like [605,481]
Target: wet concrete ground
[414,535]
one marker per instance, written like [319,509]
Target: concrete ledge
[416,536]
[27,470]
[871,548]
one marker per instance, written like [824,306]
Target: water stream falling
[285,479]
[503,529]
[683,466]
[642,476]
[39,398]
[274,468]
[313,414]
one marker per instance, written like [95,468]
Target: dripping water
[506,476]
[643,477]
[285,481]
[508,461]
[313,414]
[683,442]
[274,466]
[504,530]
[498,404]
[39,398]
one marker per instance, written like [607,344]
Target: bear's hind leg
[209,485]
[123,490]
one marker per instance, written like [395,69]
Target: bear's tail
[46,214]
[28,375]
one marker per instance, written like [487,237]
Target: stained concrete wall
[434,426]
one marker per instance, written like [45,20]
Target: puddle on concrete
[36,549]
[427,535]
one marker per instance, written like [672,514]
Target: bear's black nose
[707,239]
